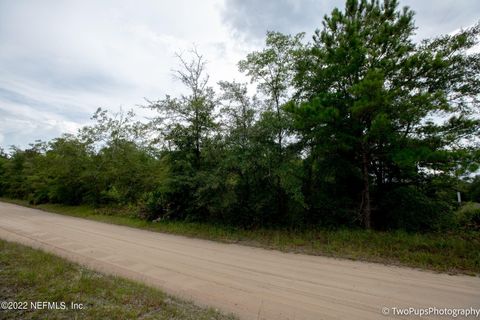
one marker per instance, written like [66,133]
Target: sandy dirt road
[253,283]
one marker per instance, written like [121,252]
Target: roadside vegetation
[450,252]
[33,275]
[354,144]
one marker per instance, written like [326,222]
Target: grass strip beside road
[449,252]
[29,275]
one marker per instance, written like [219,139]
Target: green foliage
[473,190]
[393,111]
[468,216]
[152,206]
[408,208]
[70,170]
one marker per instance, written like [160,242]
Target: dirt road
[253,283]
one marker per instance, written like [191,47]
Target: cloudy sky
[60,60]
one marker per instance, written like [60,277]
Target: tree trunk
[366,210]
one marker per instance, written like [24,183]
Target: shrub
[152,206]
[408,208]
[110,196]
[468,216]
[473,190]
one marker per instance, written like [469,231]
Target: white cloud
[62,60]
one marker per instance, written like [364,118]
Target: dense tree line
[360,126]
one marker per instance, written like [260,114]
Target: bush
[468,216]
[473,190]
[152,206]
[110,196]
[38,197]
[408,208]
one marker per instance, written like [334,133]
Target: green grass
[449,252]
[33,275]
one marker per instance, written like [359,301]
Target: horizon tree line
[360,126]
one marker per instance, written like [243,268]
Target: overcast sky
[60,60]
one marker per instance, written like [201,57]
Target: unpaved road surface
[253,283]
